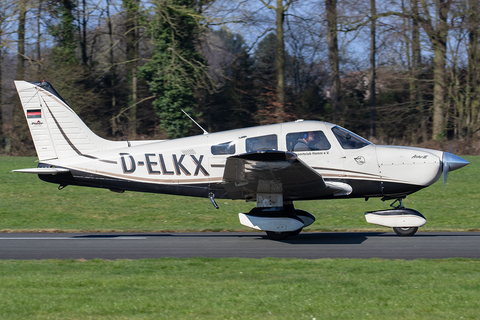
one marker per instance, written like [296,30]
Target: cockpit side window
[307,141]
[349,140]
[268,142]
[223,148]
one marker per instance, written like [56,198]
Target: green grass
[28,204]
[240,289]
[228,288]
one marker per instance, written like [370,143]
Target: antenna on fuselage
[204,131]
[125,136]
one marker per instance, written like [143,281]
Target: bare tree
[437,31]
[280,8]
[333,57]
[22,14]
[8,17]
[131,37]
[372,78]
[473,69]
[9,127]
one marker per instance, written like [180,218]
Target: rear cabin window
[223,148]
[268,142]
[307,141]
[349,140]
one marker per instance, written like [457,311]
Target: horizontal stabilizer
[42,170]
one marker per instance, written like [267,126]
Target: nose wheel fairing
[404,221]
[396,218]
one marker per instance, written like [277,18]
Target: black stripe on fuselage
[80,178]
[361,188]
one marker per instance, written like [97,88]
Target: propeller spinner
[451,162]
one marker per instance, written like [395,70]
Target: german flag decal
[36,113]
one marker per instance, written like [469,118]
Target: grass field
[228,288]
[28,204]
[240,289]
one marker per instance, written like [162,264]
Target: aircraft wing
[274,172]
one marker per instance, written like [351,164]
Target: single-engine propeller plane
[271,165]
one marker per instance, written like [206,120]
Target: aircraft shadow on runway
[329,238]
[301,239]
[305,238]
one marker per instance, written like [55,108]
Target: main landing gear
[404,221]
[278,222]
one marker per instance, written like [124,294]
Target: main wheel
[278,235]
[405,232]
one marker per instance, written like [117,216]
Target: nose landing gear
[404,221]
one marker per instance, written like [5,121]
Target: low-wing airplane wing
[275,172]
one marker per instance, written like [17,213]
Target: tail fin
[56,129]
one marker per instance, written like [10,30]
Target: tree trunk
[21,39]
[83,37]
[331,8]
[280,61]
[39,33]
[372,69]
[472,120]
[113,71]
[416,92]
[8,127]
[131,24]
[438,36]
[439,60]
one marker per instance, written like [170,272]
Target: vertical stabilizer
[56,129]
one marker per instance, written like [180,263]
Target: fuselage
[194,166]
[272,165]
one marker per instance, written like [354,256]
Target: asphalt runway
[364,245]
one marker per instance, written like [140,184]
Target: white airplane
[272,165]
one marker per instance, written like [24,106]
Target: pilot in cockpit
[307,142]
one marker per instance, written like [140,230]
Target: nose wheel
[404,221]
[405,231]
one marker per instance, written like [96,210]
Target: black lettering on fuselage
[124,163]
[164,167]
[179,166]
[199,165]
[129,165]
[151,163]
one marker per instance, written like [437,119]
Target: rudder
[56,130]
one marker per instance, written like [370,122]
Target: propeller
[451,162]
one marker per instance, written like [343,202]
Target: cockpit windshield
[349,140]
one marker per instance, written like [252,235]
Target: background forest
[399,71]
